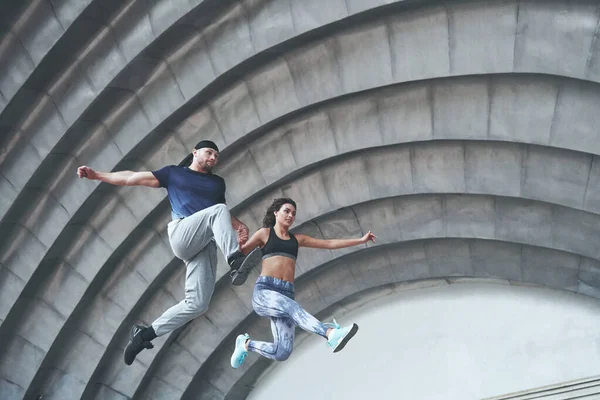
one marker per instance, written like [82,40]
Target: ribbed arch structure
[464,134]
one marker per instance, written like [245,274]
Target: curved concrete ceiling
[464,134]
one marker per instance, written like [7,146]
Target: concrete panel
[166,152]
[493,169]
[341,225]
[45,219]
[556,176]
[469,216]
[87,253]
[200,349]
[335,281]
[192,66]
[68,11]
[460,108]
[22,263]
[316,72]
[274,156]
[100,323]
[160,97]
[10,391]
[577,122]
[576,231]
[163,14]
[73,94]
[16,66]
[593,64]
[40,325]
[363,55]
[150,255]
[10,289]
[20,362]
[438,167]
[125,287]
[272,88]
[524,221]
[449,258]
[64,290]
[355,124]
[591,201]
[21,163]
[551,268]
[128,125]
[179,368]
[235,112]
[242,177]
[104,60]
[389,172]
[199,126]
[304,133]
[405,114]
[555,38]
[409,261]
[113,222]
[522,111]
[482,37]
[589,272]
[356,6]
[132,29]
[380,214]
[9,195]
[308,193]
[229,39]
[496,259]
[310,14]
[44,126]
[226,310]
[371,270]
[40,31]
[106,393]
[417,220]
[347,184]
[270,22]
[419,44]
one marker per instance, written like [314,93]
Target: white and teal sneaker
[240,352]
[339,336]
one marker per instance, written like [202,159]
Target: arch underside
[464,134]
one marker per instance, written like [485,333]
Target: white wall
[462,341]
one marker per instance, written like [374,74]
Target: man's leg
[199,287]
[193,231]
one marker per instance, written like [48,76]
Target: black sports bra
[279,247]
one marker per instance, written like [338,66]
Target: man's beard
[207,167]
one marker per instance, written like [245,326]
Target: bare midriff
[279,267]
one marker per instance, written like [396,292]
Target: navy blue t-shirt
[190,191]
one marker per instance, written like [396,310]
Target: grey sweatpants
[193,241]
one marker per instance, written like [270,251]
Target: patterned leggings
[274,298]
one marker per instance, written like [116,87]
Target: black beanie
[206,143]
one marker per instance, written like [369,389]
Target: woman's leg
[269,303]
[280,349]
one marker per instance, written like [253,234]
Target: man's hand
[86,172]
[242,232]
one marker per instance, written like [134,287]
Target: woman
[273,295]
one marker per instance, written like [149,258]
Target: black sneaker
[136,344]
[242,265]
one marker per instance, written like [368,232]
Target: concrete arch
[395,220]
[75,222]
[373,272]
[160,255]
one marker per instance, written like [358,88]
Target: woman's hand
[368,237]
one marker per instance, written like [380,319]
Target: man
[199,218]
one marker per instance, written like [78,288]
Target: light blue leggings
[274,298]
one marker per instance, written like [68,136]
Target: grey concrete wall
[481,112]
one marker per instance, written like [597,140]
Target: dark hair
[269,219]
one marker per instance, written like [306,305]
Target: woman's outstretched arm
[331,244]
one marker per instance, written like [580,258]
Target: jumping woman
[273,295]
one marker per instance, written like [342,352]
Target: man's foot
[338,337]
[136,344]
[242,265]
[240,352]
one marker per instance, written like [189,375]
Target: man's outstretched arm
[120,178]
